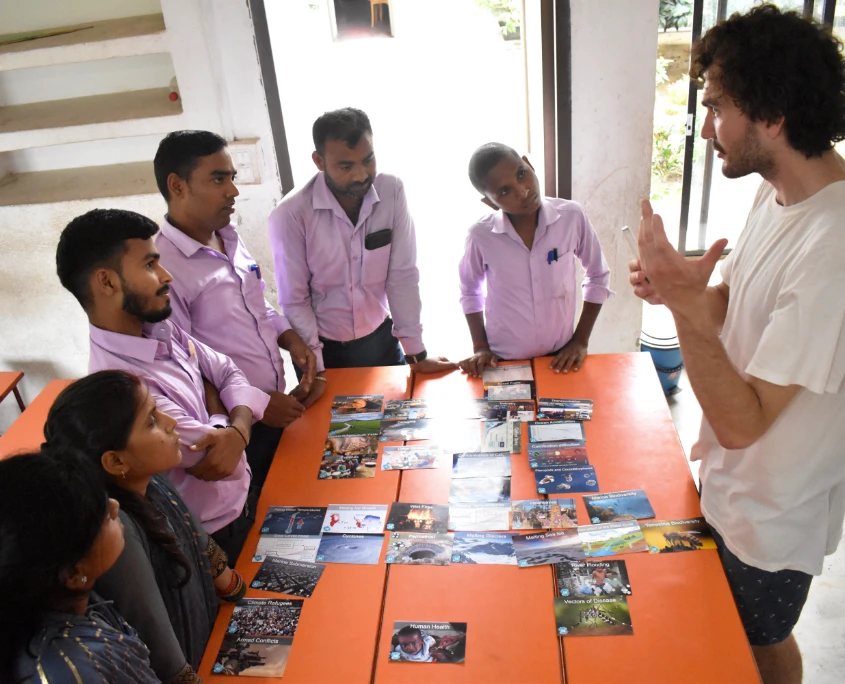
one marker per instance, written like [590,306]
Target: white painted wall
[614,46]
[17,16]
[44,331]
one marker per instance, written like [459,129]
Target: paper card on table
[545,454]
[405,409]
[564,409]
[349,457]
[632,504]
[291,532]
[360,549]
[592,578]
[516,431]
[517,391]
[508,410]
[593,616]
[480,516]
[287,577]
[540,514]
[428,642]
[612,539]
[499,374]
[355,518]
[480,464]
[348,426]
[417,517]
[483,548]
[407,430]
[555,431]
[498,436]
[670,536]
[480,489]
[419,548]
[358,404]
[259,637]
[566,479]
[545,548]
[411,457]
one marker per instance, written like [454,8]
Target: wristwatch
[416,358]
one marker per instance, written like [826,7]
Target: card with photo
[480,489]
[483,548]
[498,436]
[347,426]
[291,547]
[632,504]
[284,576]
[416,517]
[612,539]
[516,391]
[592,578]
[480,464]
[566,479]
[291,532]
[518,372]
[508,410]
[259,637]
[516,445]
[419,548]
[546,454]
[671,536]
[356,405]
[411,457]
[354,518]
[479,516]
[349,457]
[593,616]
[407,430]
[405,409]
[564,409]
[555,431]
[356,549]
[540,514]
[545,548]
[428,642]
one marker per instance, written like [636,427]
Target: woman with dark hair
[169,578]
[59,532]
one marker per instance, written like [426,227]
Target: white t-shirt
[779,504]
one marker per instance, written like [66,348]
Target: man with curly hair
[765,348]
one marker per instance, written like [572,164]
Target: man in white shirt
[771,387]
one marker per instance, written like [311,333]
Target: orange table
[686,627]
[27,432]
[9,383]
[511,628]
[339,626]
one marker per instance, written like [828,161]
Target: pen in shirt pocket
[256,269]
[553,255]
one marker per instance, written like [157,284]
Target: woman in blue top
[59,532]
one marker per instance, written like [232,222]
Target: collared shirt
[330,285]
[529,307]
[218,299]
[173,364]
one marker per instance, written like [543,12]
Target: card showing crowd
[672,536]
[593,578]
[419,548]
[592,616]
[428,642]
[259,637]
[617,506]
[483,548]
[542,514]
[566,479]
[564,409]
[284,576]
[290,532]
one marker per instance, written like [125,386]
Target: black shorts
[769,603]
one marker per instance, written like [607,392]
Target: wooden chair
[376,8]
[9,383]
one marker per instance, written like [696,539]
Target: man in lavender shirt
[345,255]
[107,260]
[526,253]
[217,293]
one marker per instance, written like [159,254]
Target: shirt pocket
[376,262]
[561,276]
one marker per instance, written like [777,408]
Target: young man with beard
[345,255]
[107,260]
[765,348]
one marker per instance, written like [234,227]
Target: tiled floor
[821,629]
